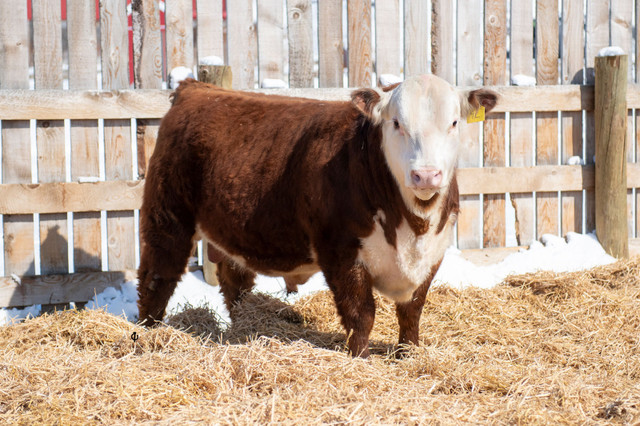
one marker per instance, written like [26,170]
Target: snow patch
[611,51]
[211,60]
[273,83]
[177,75]
[523,80]
[574,161]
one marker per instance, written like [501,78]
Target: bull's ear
[369,102]
[473,99]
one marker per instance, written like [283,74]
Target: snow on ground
[552,253]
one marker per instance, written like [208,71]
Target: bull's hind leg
[235,281]
[166,247]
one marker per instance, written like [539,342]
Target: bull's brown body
[279,185]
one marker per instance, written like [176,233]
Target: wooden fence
[75,149]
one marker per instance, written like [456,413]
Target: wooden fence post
[220,75]
[611,160]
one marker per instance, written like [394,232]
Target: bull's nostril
[415,177]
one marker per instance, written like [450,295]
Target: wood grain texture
[300,43]
[241,43]
[495,72]
[53,289]
[148,69]
[330,47]
[147,45]
[47,56]
[572,73]
[83,57]
[210,28]
[636,137]
[416,36]
[611,164]
[388,37]
[16,156]
[125,195]
[597,37]
[58,197]
[469,73]
[117,104]
[622,36]
[442,42]
[360,60]
[271,39]
[117,133]
[547,33]
[521,124]
[179,33]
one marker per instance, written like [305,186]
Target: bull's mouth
[425,194]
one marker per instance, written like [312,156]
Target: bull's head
[420,120]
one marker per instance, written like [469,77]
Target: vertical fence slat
[360,61]
[83,58]
[469,73]
[16,155]
[597,38]
[622,36]
[179,33]
[330,47]
[495,72]
[271,39]
[210,36]
[117,133]
[47,57]
[635,140]
[416,34]
[572,73]
[442,43]
[147,72]
[521,124]
[388,45]
[300,43]
[547,33]
[241,43]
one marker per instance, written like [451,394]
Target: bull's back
[261,161]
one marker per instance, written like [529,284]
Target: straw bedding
[540,348]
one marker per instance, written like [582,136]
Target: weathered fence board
[495,72]
[16,155]
[47,58]
[547,122]
[521,124]
[470,73]
[388,38]
[416,35]
[271,39]
[179,32]
[572,73]
[210,40]
[117,133]
[442,41]
[300,43]
[330,47]
[83,57]
[241,43]
[360,60]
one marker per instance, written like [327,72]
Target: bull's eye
[455,123]
[396,125]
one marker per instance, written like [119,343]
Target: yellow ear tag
[476,116]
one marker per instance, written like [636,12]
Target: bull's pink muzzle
[428,178]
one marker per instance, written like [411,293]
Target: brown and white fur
[364,191]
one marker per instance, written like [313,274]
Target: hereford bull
[364,191]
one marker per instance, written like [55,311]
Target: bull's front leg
[353,295]
[409,313]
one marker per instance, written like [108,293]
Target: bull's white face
[420,135]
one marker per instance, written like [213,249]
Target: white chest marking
[398,271]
